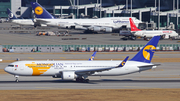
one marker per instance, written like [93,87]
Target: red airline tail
[133,26]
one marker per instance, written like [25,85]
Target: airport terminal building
[159,13]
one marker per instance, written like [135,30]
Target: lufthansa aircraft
[150,33]
[13,19]
[108,24]
[80,70]
[26,22]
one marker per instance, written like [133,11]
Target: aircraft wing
[41,21]
[92,26]
[93,70]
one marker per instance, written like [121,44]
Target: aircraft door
[21,67]
[126,68]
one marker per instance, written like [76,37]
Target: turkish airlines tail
[133,26]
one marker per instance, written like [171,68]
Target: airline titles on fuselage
[53,65]
[119,21]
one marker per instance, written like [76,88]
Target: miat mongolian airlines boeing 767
[80,70]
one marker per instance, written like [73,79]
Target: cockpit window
[10,65]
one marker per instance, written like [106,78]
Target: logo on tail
[148,52]
[10,15]
[38,10]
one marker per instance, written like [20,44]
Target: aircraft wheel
[87,80]
[77,79]
[17,80]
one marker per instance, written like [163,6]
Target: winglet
[133,26]
[123,62]
[40,11]
[92,57]
[10,14]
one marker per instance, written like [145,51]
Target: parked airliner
[26,22]
[14,19]
[108,24]
[80,70]
[150,33]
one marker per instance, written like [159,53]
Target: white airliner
[80,70]
[150,33]
[13,19]
[102,24]
[26,22]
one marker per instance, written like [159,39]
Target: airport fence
[84,48]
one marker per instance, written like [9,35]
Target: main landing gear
[82,80]
[16,76]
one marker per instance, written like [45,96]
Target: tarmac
[30,38]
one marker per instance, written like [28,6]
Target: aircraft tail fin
[10,14]
[40,11]
[92,57]
[133,26]
[147,52]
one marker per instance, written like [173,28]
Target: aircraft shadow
[95,81]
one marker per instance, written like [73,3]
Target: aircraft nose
[7,69]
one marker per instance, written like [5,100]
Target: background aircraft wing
[41,21]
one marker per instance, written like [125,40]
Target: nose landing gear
[16,76]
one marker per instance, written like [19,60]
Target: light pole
[131,8]
[177,13]
[155,5]
[77,8]
[159,15]
[100,7]
[126,5]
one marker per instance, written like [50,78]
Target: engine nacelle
[108,29]
[97,29]
[68,75]
[78,27]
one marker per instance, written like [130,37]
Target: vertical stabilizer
[147,52]
[133,26]
[92,57]
[40,11]
[10,14]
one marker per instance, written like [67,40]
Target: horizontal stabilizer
[149,65]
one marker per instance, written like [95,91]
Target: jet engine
[108,29]
[68,75]
[97,29]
